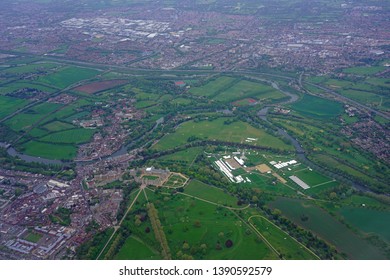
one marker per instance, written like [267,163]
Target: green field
[209,193]
[368,220]
[214,86]
[317,108]
[8,88]
[370,70]
[72,136]
[31,68]
[186,156]
[175,181]
[325,226]
[312,178]
[216,129]
[68,76]
[9,105]
[33,237]
[57,126]
[49,151]
[31,116]
[245,88]
[186,220]
[281,241]
[135,249]
[263,183]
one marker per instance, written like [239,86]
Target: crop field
[209,130]
[244,88]
[324,225]
[213,87]
[318,108]
[368,220]
[49,151]
[72,136]
[9,105]
[281,241]
[210,193]
[99,86]
[68,76]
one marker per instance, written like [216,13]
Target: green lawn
[136,249]
[213,194]
[33,237]
[368,220]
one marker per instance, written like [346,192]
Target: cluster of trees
[90,249]
[159,231]
[126,191]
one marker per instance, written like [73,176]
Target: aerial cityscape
[194,130]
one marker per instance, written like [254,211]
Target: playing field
[218,130]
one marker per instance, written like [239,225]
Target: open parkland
[209,176]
